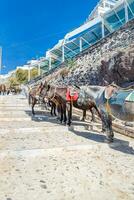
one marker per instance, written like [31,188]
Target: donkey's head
[46,90]
[111,90]
[43,89]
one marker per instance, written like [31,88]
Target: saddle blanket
[71,95]
[121,97]
[130,97]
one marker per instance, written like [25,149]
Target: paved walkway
[41,160]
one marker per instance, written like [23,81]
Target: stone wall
[111,59]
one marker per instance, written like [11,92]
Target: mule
[110,101]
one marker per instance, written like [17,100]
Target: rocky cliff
[111,59]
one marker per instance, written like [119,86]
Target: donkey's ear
[110,91]
[114,85]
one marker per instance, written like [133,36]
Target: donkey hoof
[82,119]
[87,127]
[70,128]
[109,141]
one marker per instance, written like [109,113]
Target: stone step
[39,138]
[13,105]
[11,108]
[51,137]
[34,152]
[16,119]
[13,111]
[10,115]
[19,131]
[29,124]
[13,96]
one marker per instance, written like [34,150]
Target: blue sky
[30,27]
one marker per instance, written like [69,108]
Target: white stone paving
[41,160]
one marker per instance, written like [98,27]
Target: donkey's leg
[107,125]
[51,109]
[64,113]
[69,110]
[58,111]
[55,110]
[61,114]
[29,99]
[55,114]
[84,115]
[93,117]
[34,101]
[109,132]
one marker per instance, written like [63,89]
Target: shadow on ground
[118,144]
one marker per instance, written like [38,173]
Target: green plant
[71,63]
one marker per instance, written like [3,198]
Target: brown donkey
[60,95]
[36,97]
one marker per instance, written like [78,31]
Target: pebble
[42,181]
[44,186]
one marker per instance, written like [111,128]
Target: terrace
[107,17]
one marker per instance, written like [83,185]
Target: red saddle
[71,96]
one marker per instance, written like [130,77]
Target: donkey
[59,94]
[56,96]
[35,97]
[110,101]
